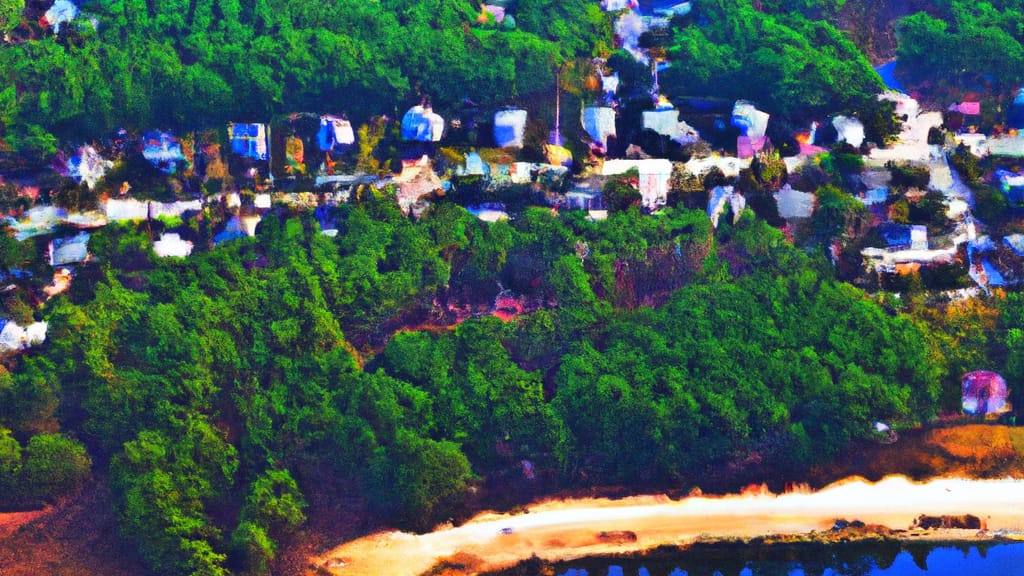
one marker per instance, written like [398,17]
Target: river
[572,529]
[863,559]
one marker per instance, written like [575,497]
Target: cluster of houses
[312,145]
[990,262]
[264,162]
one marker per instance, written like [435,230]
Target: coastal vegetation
[218,392]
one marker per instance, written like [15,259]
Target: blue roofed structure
[895,235]
[249,140]
[1015,242]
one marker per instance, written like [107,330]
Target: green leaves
[795,66]
[54,465]
[164,484]
[415,477]
[972,42]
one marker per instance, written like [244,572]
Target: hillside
[226,351]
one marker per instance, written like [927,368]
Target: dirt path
[11,521]
[572,529]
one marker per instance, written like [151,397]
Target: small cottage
[71,250]
[249,140]
[654,178]
[421,124]
[984,392]
[509,128]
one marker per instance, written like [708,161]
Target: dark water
[891,559]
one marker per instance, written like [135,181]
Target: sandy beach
[564,530]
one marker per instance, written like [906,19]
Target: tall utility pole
[556,136]
[270,166]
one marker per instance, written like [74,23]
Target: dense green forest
[217,392]
[976,45]
[790,64]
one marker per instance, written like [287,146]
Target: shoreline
[871,540]
[556,531]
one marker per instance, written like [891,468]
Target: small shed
[599,122]
[238,227]
[171,244]
[794,203]
[416,181]
[849,130]
[14,338]
[88,166]
[475,165]
[896,236]
[1015,115]
[491,212]
[69,250]
[655,174]
[747,147]
[984,392]
[1012,184]
[753,123]
[610,84]
[162,150]
[918,237]
[1015,242]
[966,108]
[582,200]
[335,133]
[509,128]
[35,221]
[61,11]
[722,196]
[616,5]
[249,140]
[662,121]
[422,124]
[498,12]
[558,155]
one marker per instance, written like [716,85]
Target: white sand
[568,529]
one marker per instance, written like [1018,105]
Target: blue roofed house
[904,236]
[509,128]
[71,250]
[249,140]
[421,124]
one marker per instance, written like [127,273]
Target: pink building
[984,392]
